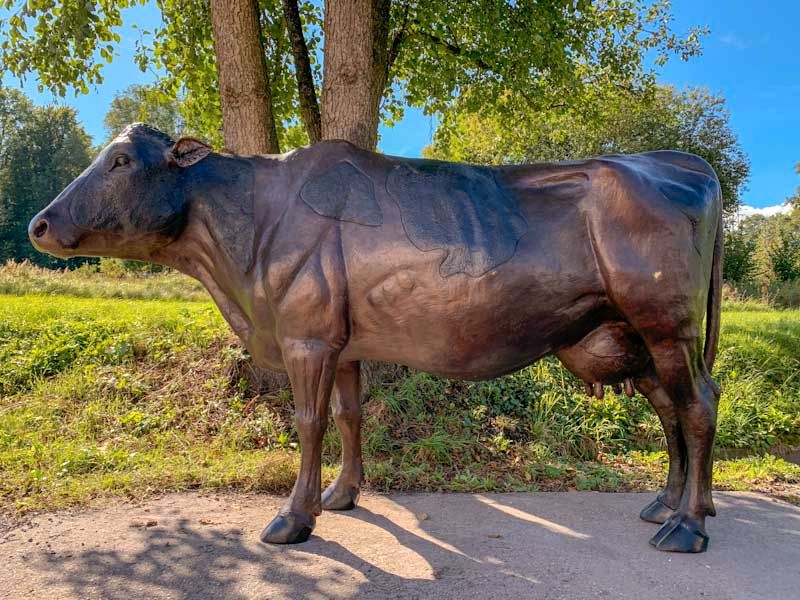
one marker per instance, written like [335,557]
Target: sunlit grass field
[130,386]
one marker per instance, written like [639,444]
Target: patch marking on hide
[460,209]
[345,193]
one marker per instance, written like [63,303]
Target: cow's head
[128,203]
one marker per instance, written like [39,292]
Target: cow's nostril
[40,229]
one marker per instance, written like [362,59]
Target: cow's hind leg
[662,507]
[343,493]
[685,379]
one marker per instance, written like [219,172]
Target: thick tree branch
[309,107]
[456,50]
[380,55]
[394,48]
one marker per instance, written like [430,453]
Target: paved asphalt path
[459,546]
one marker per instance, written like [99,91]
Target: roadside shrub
[739,265]
[750,296]
[87,281]
[118,267]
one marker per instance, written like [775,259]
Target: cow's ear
[188,151]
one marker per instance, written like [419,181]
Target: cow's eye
[120,161]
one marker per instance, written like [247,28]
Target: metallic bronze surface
[330,255]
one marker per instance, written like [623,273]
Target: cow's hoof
[337,497]
[680,533]
[287,528]
[656,512]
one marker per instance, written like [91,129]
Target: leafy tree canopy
[795,199]
[692,120]
[777,247]
[521,55]
[142,103]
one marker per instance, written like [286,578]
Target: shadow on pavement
[486,542]
[190,561]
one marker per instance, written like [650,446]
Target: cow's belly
[472,328]
[475,350]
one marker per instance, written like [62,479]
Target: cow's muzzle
[50,232]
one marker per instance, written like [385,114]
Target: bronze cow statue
[329,255]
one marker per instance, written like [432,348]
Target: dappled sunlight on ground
[519,514]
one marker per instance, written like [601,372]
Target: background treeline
[42,149]
[763,257]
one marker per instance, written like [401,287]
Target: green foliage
[525,54]
[785,294]
[784,255]
[103,396]
[739,265]
[754,296]
[762,257]
[65,42]
[794,201]
[118,267]
[42,150]
[757,367]
[622,121]
[183,50]
[530,54]
[15,110]
[776,243]
[141,103]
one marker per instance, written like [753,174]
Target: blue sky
[750,57]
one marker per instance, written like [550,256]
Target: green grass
[107,397]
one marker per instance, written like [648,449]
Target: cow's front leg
[311,365]
[342,494]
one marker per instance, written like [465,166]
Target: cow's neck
[198,255]
[216,246]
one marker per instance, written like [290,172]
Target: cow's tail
[714,304]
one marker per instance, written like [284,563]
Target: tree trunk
[248,124]
[356,53]
[354,77]
[309,108]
